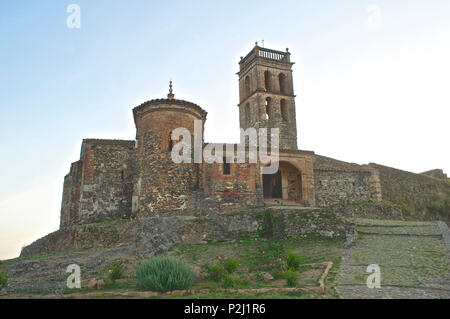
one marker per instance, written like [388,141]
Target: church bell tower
[266,94]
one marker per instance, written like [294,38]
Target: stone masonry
[118,179]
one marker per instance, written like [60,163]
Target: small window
[226,167]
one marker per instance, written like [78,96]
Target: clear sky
[372,85]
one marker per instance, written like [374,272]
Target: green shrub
[229,281]
[231,264]
[293,260]
[117,270]
[215,272]
[3,278]
[162,273]
[291,278]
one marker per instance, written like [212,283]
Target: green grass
[253,261]
[122,284]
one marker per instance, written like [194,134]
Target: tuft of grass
[162,273]
[291,278]
[294,260]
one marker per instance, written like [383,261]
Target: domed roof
[169,104]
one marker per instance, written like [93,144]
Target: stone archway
[285,185]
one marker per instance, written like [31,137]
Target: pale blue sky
[364,94]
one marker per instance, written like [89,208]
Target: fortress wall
[340,183]
[415,190]
[107,180]
[436,173]
[71,195]
[338,187]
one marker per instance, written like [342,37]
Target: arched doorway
[272,185]
[286,184]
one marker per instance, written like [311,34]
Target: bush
[231,264]
[162,273]
[117,270]
[229,281]
[3,278]
[215,272]
[293,260]
[291,278]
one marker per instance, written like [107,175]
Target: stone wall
[239,188]
[334,187]
[436,173]
[162,185]
[340,183]
[99,185]
[107,180]
[414,191]
[70,205]
[382,210]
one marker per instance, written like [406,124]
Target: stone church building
[135,178]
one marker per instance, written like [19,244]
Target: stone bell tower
[266,93]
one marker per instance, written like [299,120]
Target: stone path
[413,258]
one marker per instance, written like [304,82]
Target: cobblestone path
[413,258]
